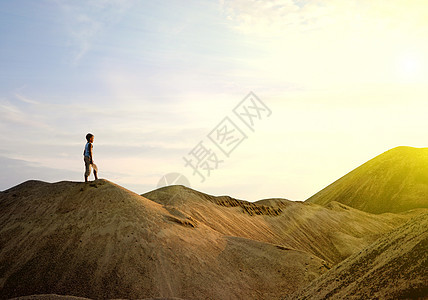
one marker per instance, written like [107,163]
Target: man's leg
[94,166]
[87,169]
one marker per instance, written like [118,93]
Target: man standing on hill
[88,157]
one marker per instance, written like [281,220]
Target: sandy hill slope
[332,233]
[67,297]
[393,267]
[394,181]
[102,241]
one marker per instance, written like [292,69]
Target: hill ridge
[174,191]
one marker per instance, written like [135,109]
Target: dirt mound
[393,267]
[179,194]
[331,233]
[67,297]
[99,240]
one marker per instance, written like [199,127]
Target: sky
[248,98]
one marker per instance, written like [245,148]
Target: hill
[393,267]
[101,241]
[394,181]
[98,240]
[331,233]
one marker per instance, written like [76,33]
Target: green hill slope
[394,181]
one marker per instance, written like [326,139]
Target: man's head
[90,137]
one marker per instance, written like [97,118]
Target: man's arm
[90,153]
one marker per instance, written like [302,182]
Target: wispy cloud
[273,17]
[25,99]
[13,115]
[9,111]
[84,20]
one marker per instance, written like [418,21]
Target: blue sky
[345,81]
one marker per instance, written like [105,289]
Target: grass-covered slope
[394,181]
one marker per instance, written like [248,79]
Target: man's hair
[88,136]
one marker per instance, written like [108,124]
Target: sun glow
[410,67]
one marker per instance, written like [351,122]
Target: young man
[88,157]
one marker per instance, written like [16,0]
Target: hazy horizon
[344,81]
